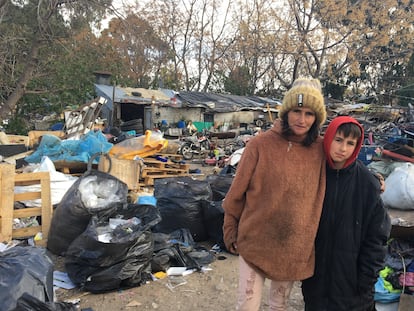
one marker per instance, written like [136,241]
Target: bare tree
[199,34]
[329,38]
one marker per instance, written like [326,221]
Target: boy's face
[342,149]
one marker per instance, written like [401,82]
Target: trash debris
[175,281]
[62,280]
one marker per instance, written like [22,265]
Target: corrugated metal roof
[224,102]
[146,93]
[210,101]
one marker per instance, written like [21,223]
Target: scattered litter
[159,275]
[216,248]
[62,280]
[174,282]
[176,271]
[205,269]
[76,299]
[6,246]
[133,303]
[25,222]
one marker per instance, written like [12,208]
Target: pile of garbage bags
[109,243]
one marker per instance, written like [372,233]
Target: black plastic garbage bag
[214,219]
[25,270]
[93,193]
[180,236]
[29,303]
[220,185]
[181,202]
[103,259]
[178,249]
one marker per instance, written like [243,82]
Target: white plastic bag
[399,188]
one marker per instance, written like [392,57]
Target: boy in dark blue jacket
[353,229]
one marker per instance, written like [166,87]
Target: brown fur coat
[274,204]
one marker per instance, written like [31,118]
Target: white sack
[59,183]
[399,188]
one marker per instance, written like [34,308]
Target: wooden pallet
[8,180]
[154,169]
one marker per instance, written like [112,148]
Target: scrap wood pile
[147,151]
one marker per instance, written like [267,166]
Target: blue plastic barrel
[181,124]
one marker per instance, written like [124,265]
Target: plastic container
[181,124]
[147,200]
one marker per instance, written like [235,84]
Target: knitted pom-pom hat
[305,93]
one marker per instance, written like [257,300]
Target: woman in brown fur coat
[275,201]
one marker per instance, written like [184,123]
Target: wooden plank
[27,177]
[162,171]
[26,232]
[27,212]
[18,156]
[156,163]
[6,200]
[47,208]
[18,139]
[25,196]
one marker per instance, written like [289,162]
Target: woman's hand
[233,248]
[382,182]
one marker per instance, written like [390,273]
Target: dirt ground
[214,289]
[202,291]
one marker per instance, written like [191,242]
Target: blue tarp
[70,150]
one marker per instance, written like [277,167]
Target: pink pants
[251,286]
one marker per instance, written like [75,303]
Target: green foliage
[17,126]
[41,61]
[238,82]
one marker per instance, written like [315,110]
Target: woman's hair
[311,136]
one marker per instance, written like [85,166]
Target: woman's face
[300,120]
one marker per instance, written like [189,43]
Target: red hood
[330,134]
